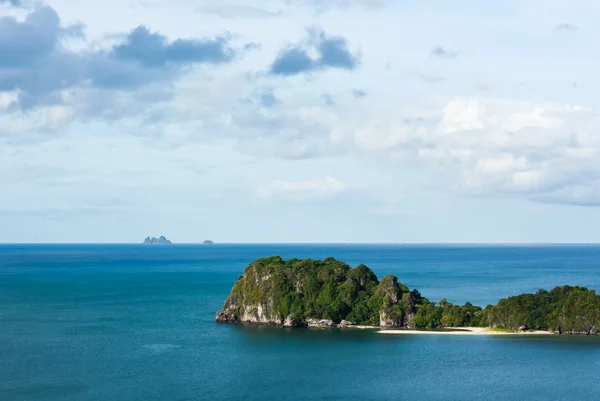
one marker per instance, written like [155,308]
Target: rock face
[225,317]
[156,241]
[319,294]
[321,323]
[392,312]
[409,313]
[292,321]
[329,293]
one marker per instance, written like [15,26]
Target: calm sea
[133,322]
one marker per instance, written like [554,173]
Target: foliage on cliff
[273,289]
[327,289]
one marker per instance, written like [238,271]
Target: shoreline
[469,331]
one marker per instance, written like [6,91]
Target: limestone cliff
[393,309]
[252,299]
[328,293]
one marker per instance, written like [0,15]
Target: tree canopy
[330,289]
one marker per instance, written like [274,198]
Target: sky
[300,121]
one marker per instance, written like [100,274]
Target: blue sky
[299,121]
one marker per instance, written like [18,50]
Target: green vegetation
[306,288]
[273,290]
[429,315]
[563,310]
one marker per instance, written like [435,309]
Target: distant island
[330,293]
[208,242]
[157,241]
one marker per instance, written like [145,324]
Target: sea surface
[134,322]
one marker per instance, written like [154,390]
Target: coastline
[470,331]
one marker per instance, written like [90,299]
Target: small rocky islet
[157,241]
[332,294]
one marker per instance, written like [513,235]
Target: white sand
[471,331]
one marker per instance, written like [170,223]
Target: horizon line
[305,243]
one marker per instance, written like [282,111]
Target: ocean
[134,322]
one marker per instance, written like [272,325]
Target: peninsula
[330,293]
[157,241]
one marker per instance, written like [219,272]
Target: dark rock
[225,317]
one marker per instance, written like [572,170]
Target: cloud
[31,61]
[262,97]
[252,46]
[51,118]
[303,190]
[565,28]
[7,100]
[146,57]
[14,3]
[543,152]
[293,61]
[328,99]
[443,53]
[151,49]
[332,52]
[359,94]
[39,68]
[321,6]
[291,133]
[266,98]
[237,11]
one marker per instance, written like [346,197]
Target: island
[331,294]
[208,242]
[157,241]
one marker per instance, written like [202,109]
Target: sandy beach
[461,331]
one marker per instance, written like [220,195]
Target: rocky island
[208,242]
[330,293]
[157,241]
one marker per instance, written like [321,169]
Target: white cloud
[323,5]
[58,116]
[42,119]
[173,144]
[498,147]
[7,99]
[303,190]
[229,9]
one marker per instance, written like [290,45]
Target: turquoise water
[118,322]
